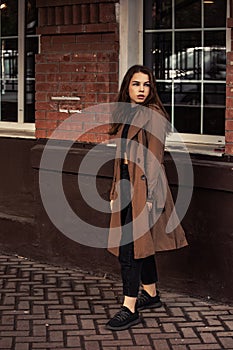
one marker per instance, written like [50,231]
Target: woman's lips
[140,97]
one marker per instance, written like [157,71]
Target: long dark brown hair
[123,96]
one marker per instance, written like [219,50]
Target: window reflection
[31,49]
[9,79]
[186,49]
[187,56]
[187,13]
[31,17]
[9,18]
[187,108]
[215,14]
[214,109]
[10,74]
[164,91]
[215,55]
[160,14]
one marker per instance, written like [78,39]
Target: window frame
[130,54]
[20,128]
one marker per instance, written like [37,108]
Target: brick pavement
[46,307]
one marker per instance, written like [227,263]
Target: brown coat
[146,138]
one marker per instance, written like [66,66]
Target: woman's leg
[127,316]
[130,273]
[149,297]
[149,275]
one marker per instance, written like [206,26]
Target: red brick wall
[79,57]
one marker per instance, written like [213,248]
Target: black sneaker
[145,301]
[123,319]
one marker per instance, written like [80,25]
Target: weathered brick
[107,12]
[229,136]
[47,68]
[229,148]
[41,134]
[229,125]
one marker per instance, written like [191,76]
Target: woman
[141,201]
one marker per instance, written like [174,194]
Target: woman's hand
[149,205]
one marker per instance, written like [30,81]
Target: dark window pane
[9,104]
[9,18]
[9,59]
[9,79]
[31,17]
[187,13]
[187,59]
[29,112]
[214,95]
[187,109]
[215,55]
[158,53]
[31,50]
[214,109]
[165,94]
[215,13]
[158,14]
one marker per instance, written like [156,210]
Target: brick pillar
[78,58]
[229,91]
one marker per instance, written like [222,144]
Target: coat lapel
[138,123]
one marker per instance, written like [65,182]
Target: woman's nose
[142,87]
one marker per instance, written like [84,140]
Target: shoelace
[143,298]
[121,315]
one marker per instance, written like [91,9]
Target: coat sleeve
[155,139]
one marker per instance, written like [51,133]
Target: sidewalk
[46,307]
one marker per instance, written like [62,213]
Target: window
[19,44]
[185,45]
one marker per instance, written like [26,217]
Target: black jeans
[133,271]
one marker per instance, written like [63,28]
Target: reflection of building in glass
[186,48]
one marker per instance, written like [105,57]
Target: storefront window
[185,45]
[19,44]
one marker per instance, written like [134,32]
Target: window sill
[193,148]
[196,148]
[17,130]
[14,133]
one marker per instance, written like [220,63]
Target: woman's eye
[147,84]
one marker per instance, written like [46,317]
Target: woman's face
[139,87]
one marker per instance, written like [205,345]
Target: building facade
[59,58]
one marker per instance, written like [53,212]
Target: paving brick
[205,347]
[91,345]
[186,341]
[226,342]
[56,336]
[72,341]
[169,327]
[21,346]
[141,339]
[5,343]
[188,332]
[87,324]
[208,338]
[161,344]
[229,324]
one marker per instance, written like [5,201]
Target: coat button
[138,160]
[143,177]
